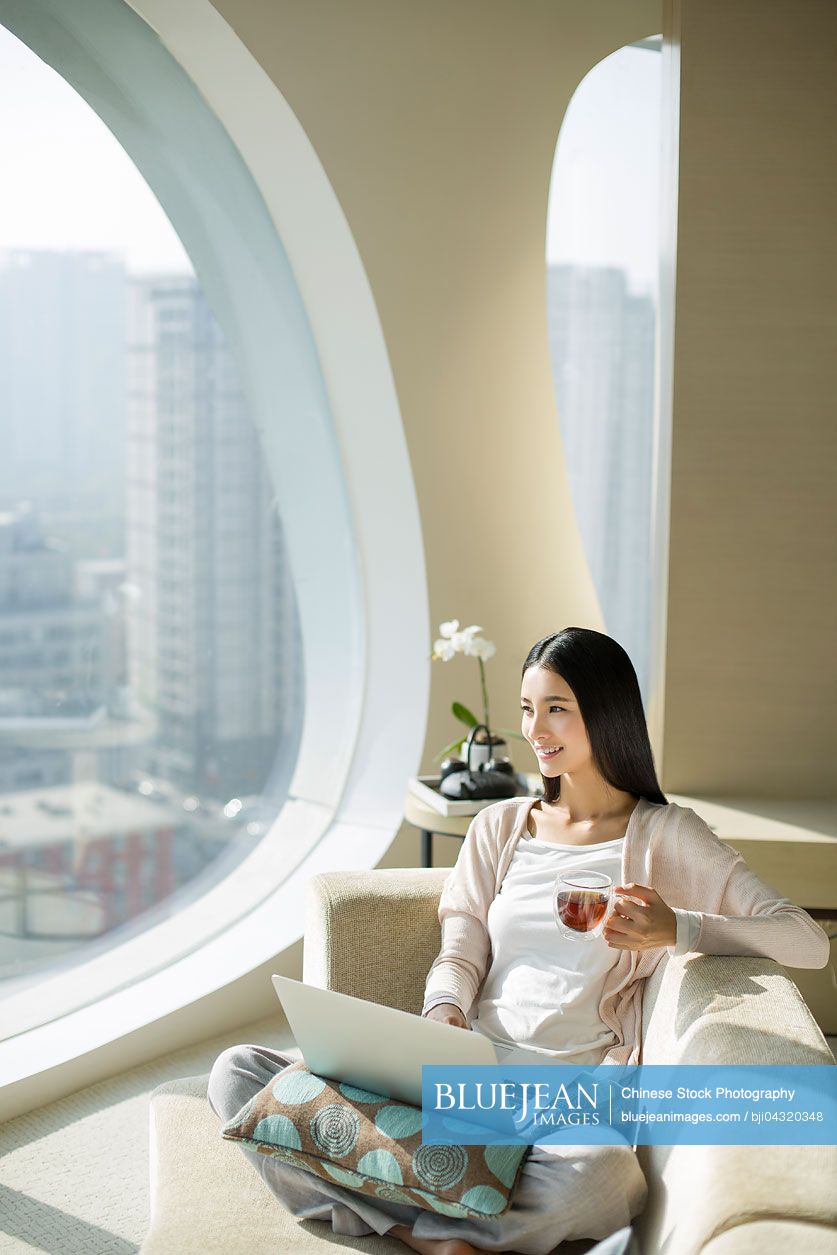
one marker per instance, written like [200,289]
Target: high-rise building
[55,669]
[602,346]
[214,649]
[62,344]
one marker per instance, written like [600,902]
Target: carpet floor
[74,1174]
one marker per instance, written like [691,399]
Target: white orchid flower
[460,641]
[452,641]
[465,641]
[471,646]
[444,650]
[482,648]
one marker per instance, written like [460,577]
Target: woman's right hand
[447,1013]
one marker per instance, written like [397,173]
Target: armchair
[374,934]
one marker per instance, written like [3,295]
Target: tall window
[150,657]
[602,255]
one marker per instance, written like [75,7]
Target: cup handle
[611,907]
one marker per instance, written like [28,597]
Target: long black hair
[602,677]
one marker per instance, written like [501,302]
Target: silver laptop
[373,1047]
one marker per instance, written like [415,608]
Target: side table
[429,821]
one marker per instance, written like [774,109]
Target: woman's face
[551,721]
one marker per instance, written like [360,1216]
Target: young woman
[505,971]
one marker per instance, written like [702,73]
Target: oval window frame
[348,571]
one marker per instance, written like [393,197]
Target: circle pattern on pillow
[397,1121]
[297,1087]
[284,1156]
[278,1129]
[483,1198]
[446,1206]
[440,1166]
[382,1164]
[394,1195]
[335,1129]
[359,1095]
[503,1162]
[353,1180]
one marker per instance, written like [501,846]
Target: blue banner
[645,1105]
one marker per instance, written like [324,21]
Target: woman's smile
[548,753]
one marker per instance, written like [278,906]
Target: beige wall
[750,664]
[437,125]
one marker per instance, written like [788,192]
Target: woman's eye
[525,710]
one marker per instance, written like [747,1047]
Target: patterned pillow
[372,1144]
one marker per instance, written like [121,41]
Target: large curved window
[277,302]
[151,687]
[602,260]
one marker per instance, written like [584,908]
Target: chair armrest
[374,934]
[727,1009]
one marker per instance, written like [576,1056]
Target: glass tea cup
[581,904]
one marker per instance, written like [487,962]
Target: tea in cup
[581,903]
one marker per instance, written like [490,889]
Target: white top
[539,1001]
[734,911]
[542,992]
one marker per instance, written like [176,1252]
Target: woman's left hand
[640,920]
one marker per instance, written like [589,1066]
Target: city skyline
[151,699]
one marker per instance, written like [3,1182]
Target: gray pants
[561,1193]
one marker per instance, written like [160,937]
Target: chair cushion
[207,1198]
[371,1143]
[761,1236]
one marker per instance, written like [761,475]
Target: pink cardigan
[668,847]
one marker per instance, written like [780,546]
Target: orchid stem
[485,698]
